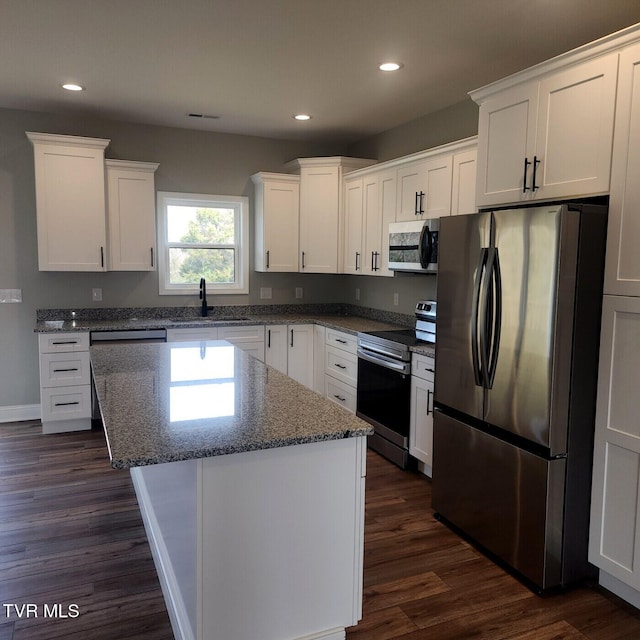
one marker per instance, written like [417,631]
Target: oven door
[384,401]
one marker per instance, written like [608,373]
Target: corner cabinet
[277,208]
[70,202]
[131,215]
[321,210]
[547,135]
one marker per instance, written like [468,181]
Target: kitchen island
[251,488]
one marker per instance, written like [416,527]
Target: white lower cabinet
[289,348]
[65,382]
[614,542]
[421,420]
[341,368]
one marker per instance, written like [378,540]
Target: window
[202,236]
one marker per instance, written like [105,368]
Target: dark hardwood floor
[71,534]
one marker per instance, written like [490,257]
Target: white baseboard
[338,633]
[619,588]
[20,412]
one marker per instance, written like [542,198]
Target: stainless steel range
[384,382]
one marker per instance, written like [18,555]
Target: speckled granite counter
[166,402]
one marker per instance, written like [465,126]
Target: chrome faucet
[203,297]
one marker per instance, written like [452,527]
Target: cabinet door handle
[65,404]
[428,398]
[415,205]
[341,341]
[357,256]
[335,395]
[536,162]
[63,370]
[375,261]
[102,257]
[151,251]
[65,342]
[292,337]
[267,258]
[422,195]
[524,176]
[340,366]
[303,259]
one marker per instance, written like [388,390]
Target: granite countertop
[348,323]
[163,402]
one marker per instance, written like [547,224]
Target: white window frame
[241,205]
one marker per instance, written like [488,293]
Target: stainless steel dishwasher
[117,336]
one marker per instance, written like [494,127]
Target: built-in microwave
[413,246]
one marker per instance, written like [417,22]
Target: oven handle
[387,363]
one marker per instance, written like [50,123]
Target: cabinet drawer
[423,367]
[341,340]
[186,335]
[341,365]
[64,369]
[66,403]
[254,333]
[61,342]
[340,393]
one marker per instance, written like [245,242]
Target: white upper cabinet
[547,137]
[321,210]
[463,191]
[277,207]
[353,225]
[131,215]
[622,271]
[424,188]
[70,202]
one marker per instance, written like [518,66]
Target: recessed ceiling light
[72,87]
[390,66]
[302,116]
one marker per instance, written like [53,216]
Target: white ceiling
[255,63]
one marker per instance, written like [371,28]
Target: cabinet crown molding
[76,141]
[607,44]
[346,162]
[132,165]
[263,176]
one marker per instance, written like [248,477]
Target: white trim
[337,633]
[241,203]
[20,412]
[132,165]
[76,141]
[170,589]
[619,588]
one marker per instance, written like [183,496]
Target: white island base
[259,545]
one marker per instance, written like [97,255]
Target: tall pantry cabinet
[615,516]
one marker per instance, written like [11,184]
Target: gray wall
[453,123]
[190,161]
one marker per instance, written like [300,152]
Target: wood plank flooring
[71,533]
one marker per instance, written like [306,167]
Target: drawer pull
[70,369]
[65,404]
[335,395]
[341,341]
[340,366]
[65,342]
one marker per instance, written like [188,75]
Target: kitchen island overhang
[250,485]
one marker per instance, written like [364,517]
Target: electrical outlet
[357,293]
[395,299]
[96,294]
[265,293]
[298,293]
[10,295]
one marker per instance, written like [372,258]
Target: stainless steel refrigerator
[519,298]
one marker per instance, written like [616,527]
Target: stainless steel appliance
[519,295]
[413,246]
[384,383]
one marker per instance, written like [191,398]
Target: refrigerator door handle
[425,252]
[475,319]
[488,315]
[493,339]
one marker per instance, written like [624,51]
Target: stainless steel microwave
[413,246]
